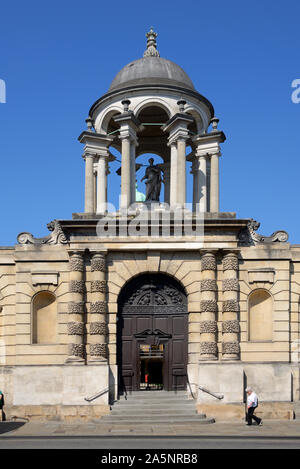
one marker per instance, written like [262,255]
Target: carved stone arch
[161,291]
[104,118]
[153,102]
[129,277]
[198,118]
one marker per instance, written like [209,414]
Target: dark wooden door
[152,309]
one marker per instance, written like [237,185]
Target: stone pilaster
[76,326]
[230,323]
[208,307]
[97,323]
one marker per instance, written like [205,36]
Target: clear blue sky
[58,58]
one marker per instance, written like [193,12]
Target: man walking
[252,403]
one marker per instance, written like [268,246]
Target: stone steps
[155,408]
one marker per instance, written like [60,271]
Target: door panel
[152,310]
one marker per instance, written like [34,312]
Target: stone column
[107,172]
[101,185]
[202,184]
[214,182]
[133,145]
[97,324]
[181,171]
[208,184]
[173,175]
[89,183]
[230,324]
[194,172]
[208,307]
[95,188]
[125,173]
[76,327]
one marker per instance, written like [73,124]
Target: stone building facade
[83,309]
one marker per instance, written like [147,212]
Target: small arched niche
[44,318]
[260,316]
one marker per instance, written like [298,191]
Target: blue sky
[58,58]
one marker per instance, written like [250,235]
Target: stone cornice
[215,136]
[128,118]
[152,87]
[87,137]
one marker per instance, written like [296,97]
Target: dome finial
[151,50]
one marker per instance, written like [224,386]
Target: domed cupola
[152,107]
[151,70]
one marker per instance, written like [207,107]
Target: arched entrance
[152,332]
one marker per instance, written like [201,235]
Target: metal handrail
[91,398]
[217,396]
[192,394]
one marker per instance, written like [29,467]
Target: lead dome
[151,70]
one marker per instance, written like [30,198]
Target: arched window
[260,316]
[44,312]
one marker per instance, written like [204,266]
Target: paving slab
[271,428]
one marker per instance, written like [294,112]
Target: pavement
[220,429]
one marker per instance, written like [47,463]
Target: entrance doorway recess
[152,334]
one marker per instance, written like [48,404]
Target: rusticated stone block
[231,326]
[75,328]
[98,263]
[98,286]
[208,327]
[76,350]
[208,348]
[208,262]
[230,306]
[77,286]
[98,328]
[208,306]
[76,307]
[208,285]
[98,350]
[230,284]
[230,348]
[76,263]
[98,307]
[230,262]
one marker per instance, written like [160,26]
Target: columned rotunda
[163,292]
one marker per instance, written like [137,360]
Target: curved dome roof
[151,70]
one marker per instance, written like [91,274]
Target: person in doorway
[252,403]
[1,406]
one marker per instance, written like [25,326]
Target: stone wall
[56,392]
[273,383]
[27,270]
